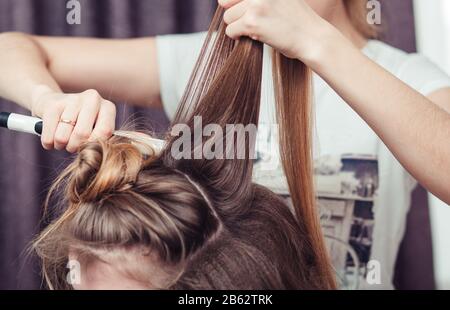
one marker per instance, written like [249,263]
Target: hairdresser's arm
[75,79]
[415,128]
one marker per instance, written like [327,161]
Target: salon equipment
[34,125]
[21,123]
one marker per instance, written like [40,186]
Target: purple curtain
[26,170]
[398,24]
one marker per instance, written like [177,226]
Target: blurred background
[26,170]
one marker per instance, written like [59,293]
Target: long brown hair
[205,220]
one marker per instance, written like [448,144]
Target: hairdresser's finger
[50,120]
[106,121]
[229,3]
[86,120]
[235,12]
[245,26]
[64,129]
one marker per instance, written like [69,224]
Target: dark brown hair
[203,221]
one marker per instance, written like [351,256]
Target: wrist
[38,92]
[329,41]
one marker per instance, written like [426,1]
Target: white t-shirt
[363,192]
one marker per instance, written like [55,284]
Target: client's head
[128,220]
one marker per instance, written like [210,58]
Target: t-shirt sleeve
[177,55]
[423,75]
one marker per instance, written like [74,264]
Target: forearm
[24,70]
[415,129]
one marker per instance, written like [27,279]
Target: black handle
[4,116]
[38,127]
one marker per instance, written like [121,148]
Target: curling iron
[21,123]
[34,125]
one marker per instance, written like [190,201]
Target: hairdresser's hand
[290,26]
[93,118]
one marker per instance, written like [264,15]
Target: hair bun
[102,168]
